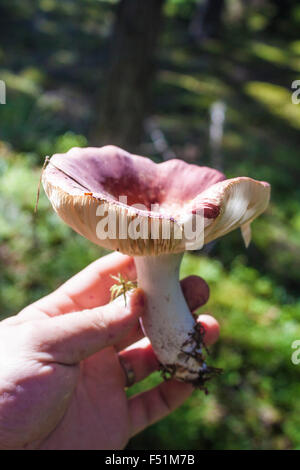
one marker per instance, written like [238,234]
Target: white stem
[168,322]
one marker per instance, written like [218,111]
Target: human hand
[63,361]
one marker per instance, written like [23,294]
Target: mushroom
[129,203]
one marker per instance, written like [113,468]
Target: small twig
[123,285]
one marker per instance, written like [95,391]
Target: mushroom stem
[169,324]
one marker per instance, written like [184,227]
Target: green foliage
[276,99]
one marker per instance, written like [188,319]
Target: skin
[62,385]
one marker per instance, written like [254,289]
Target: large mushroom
[154,212]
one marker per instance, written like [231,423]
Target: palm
[98,408]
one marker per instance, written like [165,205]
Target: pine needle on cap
[47,160]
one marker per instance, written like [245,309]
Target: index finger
[89,288]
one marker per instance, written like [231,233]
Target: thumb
[73,337]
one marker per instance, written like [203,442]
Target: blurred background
[209,82]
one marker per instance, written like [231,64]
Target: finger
[73,337]
[211,327]
[153,405]
[196,293]
[89,288]
[138,362]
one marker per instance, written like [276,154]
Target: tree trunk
[125,102]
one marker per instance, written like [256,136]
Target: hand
[62,385]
